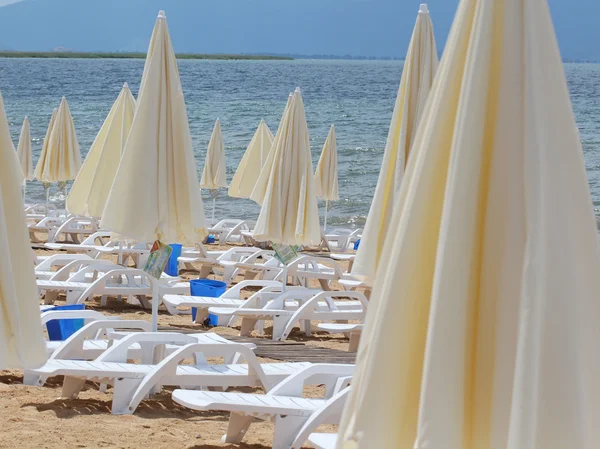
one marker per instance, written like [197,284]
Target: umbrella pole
[325,223]
[213,212]
[24,192]
[47,199]
[120,257]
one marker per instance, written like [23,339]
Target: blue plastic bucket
[356,245]
[210,239]
[206,287]
[62,329]
[172,267]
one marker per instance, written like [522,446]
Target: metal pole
[213,212]
[326,210]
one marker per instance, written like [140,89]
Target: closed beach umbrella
[90,190]
[252,162]
[417,77]
[44,154]
[21,337]
[60,159]
[155,194]
[326,175]
[285,188]
[24,152]
[214,175]
[482,331]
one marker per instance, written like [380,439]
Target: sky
[378,28]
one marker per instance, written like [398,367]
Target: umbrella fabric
[24,151]
[285,188]
[60,159]
[155,193]
[45,153]
[21,337]
[482,328]
[326,175]
[90,190]
[214,175]
[252,162]
[417,76]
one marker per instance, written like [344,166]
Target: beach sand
[33,417]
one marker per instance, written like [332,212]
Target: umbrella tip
[298,91]
[161,14]
[125,85]
[423,8]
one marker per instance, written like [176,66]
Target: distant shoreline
[123,55]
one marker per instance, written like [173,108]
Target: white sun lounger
[231,298]
[133,382]
[109,281]
[323,440]
[284,405]
[229,230]
[44,269]
[320,307]
[95,337]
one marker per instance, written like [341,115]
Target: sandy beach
[36,417]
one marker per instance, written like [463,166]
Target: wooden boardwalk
[288,351]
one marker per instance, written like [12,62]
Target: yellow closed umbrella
[24,152]
[21,337]
[418,73]
[252,162]
[60,159]
[285,188]
[155,194]
[326,175]
[482,329]
[214,174]
[90,190]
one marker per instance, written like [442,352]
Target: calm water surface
[356,96]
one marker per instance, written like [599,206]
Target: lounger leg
[324,285]
[123,392]
[71,387]
[237,428]
[30,378]
[354,340]
[247,326]
[205,271]
[279,326]
[201,316]
[50,297]
[286,428]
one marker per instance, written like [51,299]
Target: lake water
[356,96]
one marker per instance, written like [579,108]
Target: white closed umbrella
[155,194]
[214,174]
[60,159]
[326,175]
[418,73]
[21,337]
[482,328]
[252,162]
[24,154]
[285,188]
[90,190]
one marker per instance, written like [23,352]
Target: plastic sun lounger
[294,416]
[229,230]
[231,298]
[284,319]
[352,331]
[323,440]
[95,337]
[133,382]
[105,279]
[43,270]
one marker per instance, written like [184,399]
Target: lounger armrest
[294,384]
